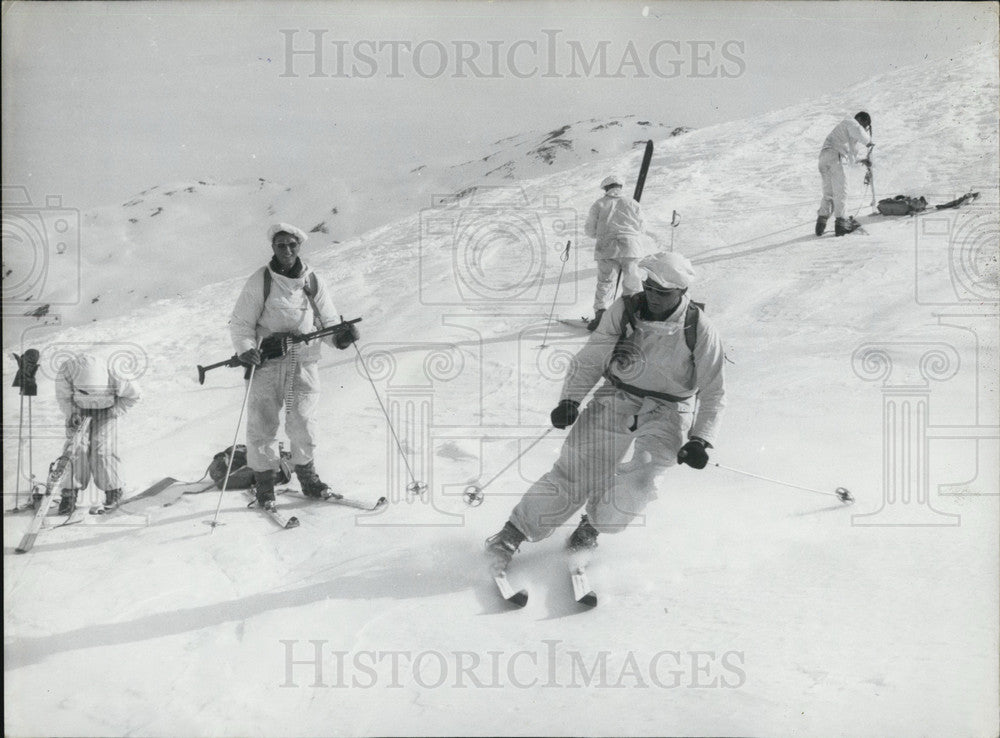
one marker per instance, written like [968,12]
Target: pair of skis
[582,591]
[284,520]
[54,483]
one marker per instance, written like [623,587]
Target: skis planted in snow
[272,511]
[53,484]
[640,182]
[335,499]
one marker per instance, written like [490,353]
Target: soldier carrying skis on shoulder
[281,299]
[841,144]
[88,385]
[616,222]
[656,351]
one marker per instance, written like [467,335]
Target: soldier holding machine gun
[280,304]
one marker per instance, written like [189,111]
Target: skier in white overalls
[647,400]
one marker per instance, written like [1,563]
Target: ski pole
[869,177]
[563,257]
[20,448]
[24,380]
[214,522]
[473,494]
[31,462]
[675,220]
[842,493]
[414,488]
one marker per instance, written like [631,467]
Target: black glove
[27,365]
[565,414]
[250,357]
[867,162]
[694,453]
[274,346]
[345,336]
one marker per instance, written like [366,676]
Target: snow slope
[736,607]
[173,237]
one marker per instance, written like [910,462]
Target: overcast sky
[103,100]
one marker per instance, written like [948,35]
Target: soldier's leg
[657,441]
[607,272]
[595,444]
[263,415]
[300,422]
[104,458]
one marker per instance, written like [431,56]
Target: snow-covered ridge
[142,237]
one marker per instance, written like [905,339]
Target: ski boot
[821,224]
[592,325]
[312,485]
[112,498]
[843,226]
[67,502]
[264,488]
[584,537]
[503,545]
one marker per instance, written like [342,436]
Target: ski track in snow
[829,628]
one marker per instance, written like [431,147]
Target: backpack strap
[633,307]
[311,287]
[691,324]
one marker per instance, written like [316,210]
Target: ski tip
[293,522]
[519,599]
[588,600]
[382,502]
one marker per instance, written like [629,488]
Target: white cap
[668,269]
[291,230]
[613,181]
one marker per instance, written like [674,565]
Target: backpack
[901,205]
[311,288]
[241,476]
[624,349]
